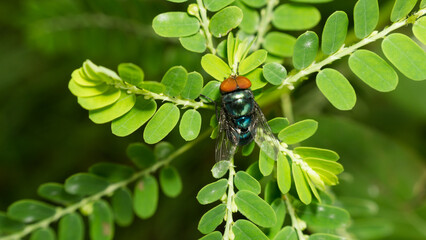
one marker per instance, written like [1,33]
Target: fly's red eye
[243,82]
[228,85]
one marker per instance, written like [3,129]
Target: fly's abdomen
[238,103]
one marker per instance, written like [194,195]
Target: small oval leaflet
[162,123]
[243,181]
[211,219]
[252,62]
[336,88]
[170,181]
[82,91]
[283,174]
[419,29]
[280,44]
[245,230]
[255,208]
[301,186]
[255,3]
[287,233]
[401,9]
[366,17]
[131,73]
[250,20]
[225,20]
[105,99]
[175,24]
[43,234]
[334,33]
[405,55]
[316,153]
[216,5]
[274,73]
[55,192]
[106,114]
[141,155]
[272,191]
[212,192]
[190,125]
[71,227]
[8,225]
[145,197]
[195,43]
[298,131]
[291,16]
[373,70]
[280,210]
[85,184]
[122,206]
[193,86]
[111,171]
[28,211]
[101,221]
[305,50]
[331,166]
[266,163]
[211,90]
[175,80]
[277,124]
[220,169]
[215,67]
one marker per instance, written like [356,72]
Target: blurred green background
[46,136]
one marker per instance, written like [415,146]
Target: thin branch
[205,24]
[294,219]
[230,205]
[266,18]
[60,212]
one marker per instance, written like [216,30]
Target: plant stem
[60,212]
[294,220]
[266,17]
[230,202]
[205,24]
[287,106]
[344,51]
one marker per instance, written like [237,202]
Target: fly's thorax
[238,103]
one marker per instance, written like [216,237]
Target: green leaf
[251,19]
[225,20]
[8,225]
[323,216]
[141,112]
[245,230]
[106,114]
[28,211]
[247,149]
[401,9]
[373,70]
[280,44]
[71,227]
[216,5]
[153,86]
[190,125]
[131,73]
[141,155]
[277,124]
[212,192]
[211,219]
[83,91]
[336,88]
[80,78]
[257,79]
[220,169]
[280,211]
[211,90]
[312,186]
[266,164]
[423,4]
[419,29]
[283,174]
[331,166]
[163,150]
[287,233]
[334,33]
[122,206]
[170,181]
[215,67]
[255,3]
[177,1]
[252,62]
[405,55]
[366,17]
[193,86]
[175,24]
[112,172]
[255,208]
[301,186]
[298,131]
[272,191]
[195,43]
[325,236]
[212,236]
[296,17]
[85,184]
[316,153]
[328,177]
[162,123]
[305,50]
[231,46]
[101,221]
[312,1]
[274,73]
[175,80]
[145,197]
[105,99]
[222,48]
[254,171]
[56,193]
[243,181]
[43,234]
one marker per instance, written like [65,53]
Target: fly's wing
[225,148]
[263,135]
